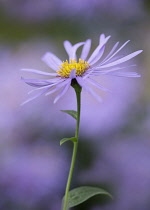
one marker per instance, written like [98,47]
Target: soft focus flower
[124,164]
[37,11]
[32,174]
[82,70]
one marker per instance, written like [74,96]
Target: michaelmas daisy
[82,70]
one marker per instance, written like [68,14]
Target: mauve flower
[124,164]
[82,70]
[37,11]
[30,175]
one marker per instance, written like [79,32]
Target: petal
[39,72]
[59,85]
[111,52]
[122,60]
[125,74]
[96,84]
[43,87]
[98,56]
[106,60]
[68,47]
[99,71]
[74,49]
[52,61]
[97,51]
[33,97]
[87,88]
[94,94]
[36,82]
[71,49]
[73,74]
[63,91]
[86,49]
[101,38]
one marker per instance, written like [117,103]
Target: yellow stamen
[66,67]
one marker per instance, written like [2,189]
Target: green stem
[77,89]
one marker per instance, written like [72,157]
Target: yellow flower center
[66,67]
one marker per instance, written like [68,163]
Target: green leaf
[81,194]
[71,112]
[73,139]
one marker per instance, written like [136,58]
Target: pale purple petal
[101,38]
[74,49]
[98,70]
[94,94]
[96,52]
[62,92]
[73,74]
[80,81]
[39,72]
[60,85]
[68,47]
[122,60]
[52,61]
[125,74]
[98,56]
[52,90]
[46,86]
[111,52]
[106,60]
[33,97]
[86,49]
[96,84]
[87,88]
[36,83]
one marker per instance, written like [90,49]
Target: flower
[82,70]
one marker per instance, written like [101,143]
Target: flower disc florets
[66,67]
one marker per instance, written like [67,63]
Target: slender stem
[77,89]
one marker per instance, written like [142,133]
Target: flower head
[82,69]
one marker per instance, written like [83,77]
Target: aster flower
[82,69]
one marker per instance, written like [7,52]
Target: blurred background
[114,148]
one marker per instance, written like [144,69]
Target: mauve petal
[36,83]
[97,50]
[62,92]
[43,87]
[86,49]
[98,56]
[96,84]
[68,47]
[106,60]
[94,94]
[72,74]
[39,72]
[125,74]
[80,81]
[52,61]
[122,60]
[106,71]
[83,84]
[111,52]
[74,49]
[101,38]
[33,97]
[59,85]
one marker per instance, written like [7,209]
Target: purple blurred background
[114,149]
